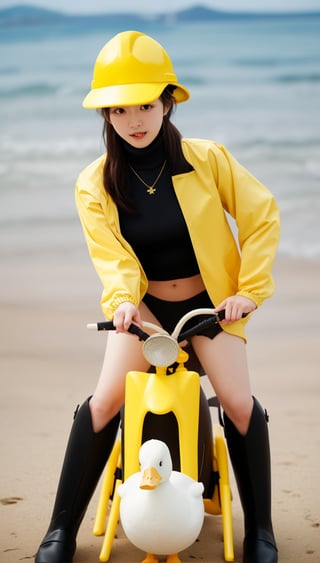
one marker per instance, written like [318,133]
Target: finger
[232,312]
[127,321]
[136,318]
[119,322]
[221,306]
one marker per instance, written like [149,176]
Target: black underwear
[168,313]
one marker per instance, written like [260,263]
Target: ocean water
[255,87]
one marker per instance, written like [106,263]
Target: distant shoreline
[29,15]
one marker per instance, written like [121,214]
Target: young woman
[153,210]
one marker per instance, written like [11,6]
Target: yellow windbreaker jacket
[217,186]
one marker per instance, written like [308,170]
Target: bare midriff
[176,290]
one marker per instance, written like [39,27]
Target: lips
[139,135]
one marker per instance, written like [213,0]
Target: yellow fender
[159,393]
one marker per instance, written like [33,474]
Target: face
[138,125]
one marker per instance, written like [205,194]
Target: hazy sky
[147,6]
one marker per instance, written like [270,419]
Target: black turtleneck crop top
[156,229]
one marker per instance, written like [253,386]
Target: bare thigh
[123,353]
[224,360]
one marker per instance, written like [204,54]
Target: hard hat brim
[131,95]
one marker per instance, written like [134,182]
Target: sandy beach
[50,362]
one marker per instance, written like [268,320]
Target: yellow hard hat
[132,69]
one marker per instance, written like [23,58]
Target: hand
[235,306]
[126,314]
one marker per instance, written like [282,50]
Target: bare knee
[102,412]
[239,411]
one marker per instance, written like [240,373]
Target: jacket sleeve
[256,214]
[113,259]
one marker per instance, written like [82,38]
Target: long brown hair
[116,169]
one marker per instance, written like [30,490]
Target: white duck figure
[161,510]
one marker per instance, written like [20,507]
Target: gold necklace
[150,188]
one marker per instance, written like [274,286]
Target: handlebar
[108,325]
[161,348]
[204,323]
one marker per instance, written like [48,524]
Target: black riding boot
[250,458]
[86,455]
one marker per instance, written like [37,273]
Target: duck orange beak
[150,479]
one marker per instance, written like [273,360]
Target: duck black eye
[160,463]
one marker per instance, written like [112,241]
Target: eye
[160,463]
[146,107]
[117,111]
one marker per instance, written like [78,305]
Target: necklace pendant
[151,190]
